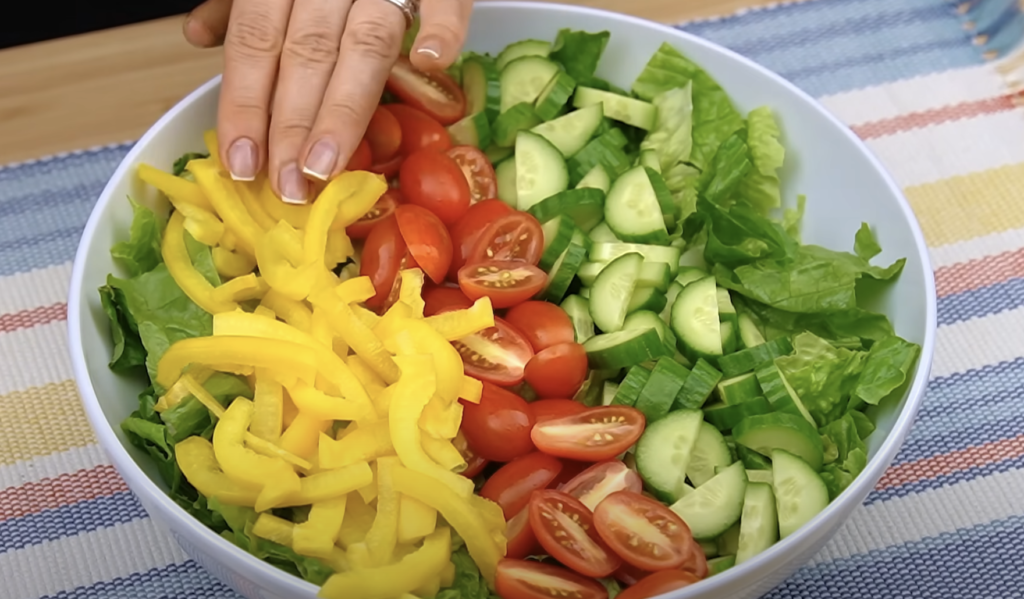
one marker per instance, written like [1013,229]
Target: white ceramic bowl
[844,183]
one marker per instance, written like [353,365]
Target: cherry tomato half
[382,257]
[506,283]
[362,158]
[565,529]
[419,131]
[643,531]
[594,436]
[467,230]
[544,324]
[521,540]
[433,180]
[558,371]
[512,484]
[515,237]
[389,169]
[521,579]
[498,428]
[427,239]
[696,563]
[599,481]
[435,93]
[440,297]
[659,583]
[384,135]
[478,172]
[495,355]
[384,208]
[546,409]
[570,470]
[474,463]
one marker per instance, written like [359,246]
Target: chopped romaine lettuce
[888,364]
[141,253]
[821,374]
[128,351]
[579,52]
[760,187]
[730,165]
[672,136]
[849,454]
[864,244]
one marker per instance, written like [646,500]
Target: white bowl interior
[844,185]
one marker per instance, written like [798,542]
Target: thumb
[206,26]
[443,26]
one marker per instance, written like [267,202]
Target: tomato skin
[384,208]
[515,237]
[599,481]
[419,130]
[389,169]
[658,584]
[558,371]
[432,180]
[474,463]
[520,579]
[478,171]
[544,324]
[440,297]
[696,562]
[546,409]
[495,355]
[384,135]
[467,230]
[361,158]
[512,484]
[574,437]
[565,528]
[522,542]
[435,93]
[427,239]
[505,283]
[666,549]
[570,470]
[382,257]
[498,428]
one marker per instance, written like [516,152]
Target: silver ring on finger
[410,10]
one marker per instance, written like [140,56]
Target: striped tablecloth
[931,85]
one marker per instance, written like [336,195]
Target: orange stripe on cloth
[943,114]
[948,463]
[42,420]
[990,270]
[66,489]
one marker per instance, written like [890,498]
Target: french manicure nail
[294,188]
[430,47]
[242,160]
[321,159]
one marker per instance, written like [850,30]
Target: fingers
[308,59]
[206,26]
[252,49]
[443,26]
[373,37]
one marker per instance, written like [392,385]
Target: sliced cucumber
[632,209]
[540,170]
[759,524]
[481,83]
[695,320]
[607,150]
[729,541]
[664,451]
[620,108]
[649,159]
[584,206]
[699,386]
[558,232]
[709,549]
[768,432]
[752,358]
[710,452]
[624,348]
[578,310]
[780,394]
[760,476]
[800,494]
[631,386]
[725,417]
[750,335]
[521,49]
[609,392]
[552,99]
[643,319]
[669,209]
[655,400]
[497,154]
[751,459]
[720,564]
[652,274]
[648,299]
[564,270]
[598,179]
[612,291]
[571,132]
[602,233]
[523,80]
[694,258]
[689,274]
[509,123]
[474,130]
[505,175]
[738,389]
[606,252]
[716,505]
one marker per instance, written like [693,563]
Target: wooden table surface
[110,86]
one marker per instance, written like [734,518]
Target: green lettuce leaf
[739,235]
[179,165]
[888,364]
[141,253]
[128,353]
[821,374]
[672,136]
[190,417]
[714,116]
[850,454]
[793,218]
[612,586]
[864,244]
[468,583]
[760,186]
[729,167]
[864,424]
[579,52]
[837,327]
[151,437]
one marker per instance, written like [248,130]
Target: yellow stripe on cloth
[42,420]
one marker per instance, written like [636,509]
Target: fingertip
[197,33]
[431,53]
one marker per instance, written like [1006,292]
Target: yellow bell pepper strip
[472,389]
[303,435]
[250,200]
[288,411]
[441,419]
[226,202]
[383,400]
[320,329]
[415,520]
[212,146]
[448,575]
[195,457]
[412,393]
[178,190]
[177,392]
[268,409]
[229,241]
[365,444]
[264,312]
[369,491]
[392,322]
[296,216]
[315,537]
[291,281]
[387,582]
[337,560]
[179,264]
[492,515]
[329,484]
[367,378]
[202,225]
[361,339]
[457,324]
[356,290]
[411,290]
[275,355]
[321,406]
[358,555]
[272,528]
[458,512]
[417,337]
[358,190]
[270,450]
[231,264]
[248,287]
[293,312]
[339,249]
[367,317]
[444,453]
[201,394]
[358,520]
[383,535]
[428,589]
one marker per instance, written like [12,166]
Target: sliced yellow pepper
[315,537]
[367,378]
[320,406]
[274,355]
[387,582]
[212,146]
[383,535]
[337,560]
[303,434]
[361,339]
[290,280]
[330,484]
[429,589]
[250,200]
[392,322]
[369,491]
[240,289]
[366,443]
[296,216]
[359,191]
[493,517]
[472,389]
[359,557]
[411,290]
[264,312]
[441,419]
[415,520]
[358,520]
[383,400]
[195,457]
[448,575]
[228,205]
[178,190]
[355,290]
[178,391]
[179,264]
[293,312]
[202,225]
[444,453]
[320,329]
[339,249]
[417,337]
[231,264]
[370,319]
[272,528]
[457,324]
[268,409]
[201,394]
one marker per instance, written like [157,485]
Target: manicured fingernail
[294,188]
[242,160]
[321,159]
[430,47]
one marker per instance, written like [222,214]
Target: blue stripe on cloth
[185,580]
[945,480]
[984,301]
[971,563]
[69,520]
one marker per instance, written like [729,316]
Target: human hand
[302,77]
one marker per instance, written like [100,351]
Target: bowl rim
[261,573]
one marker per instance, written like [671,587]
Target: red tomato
[544,324]
[419,131]
[498,428]
[435,93]
[496,355]
[520,579]
[515,237]
[389,169]
[427,239]
[467,230]
[433,180]
[565,529]
[696,562]
[659,583]
[478,172]
[596,435]
[521,540]
[438,298]
[511,486]
[628,575]
[570,470]
[362,158]
[506,283]
[643,531]
[382,257]
[474,463]
[558,371]
[601,480]
[546,409]
[384,208]
[384,135]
